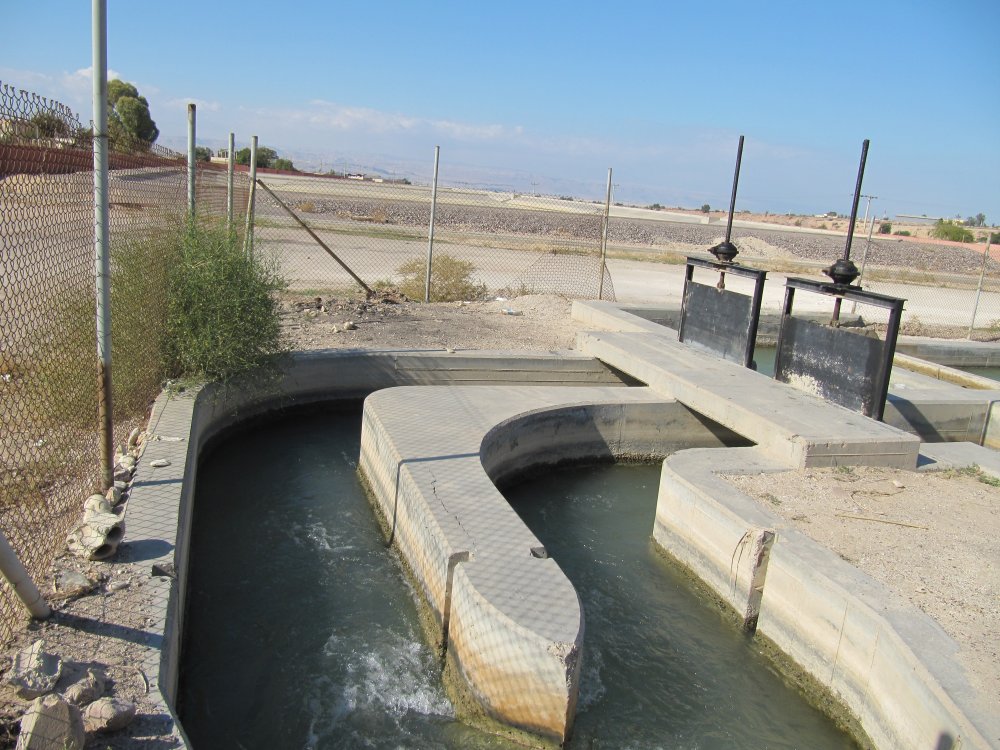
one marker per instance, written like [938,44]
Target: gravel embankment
[755,243]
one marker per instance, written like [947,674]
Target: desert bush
[885,227]
[902,233]
[946,230]
[451,279]
[705,208]
[307,207]
[222,310]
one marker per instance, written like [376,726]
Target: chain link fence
[49,452]
[486,243]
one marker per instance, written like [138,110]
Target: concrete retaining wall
[888,663]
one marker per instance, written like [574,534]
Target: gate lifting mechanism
[716,319]
[847,368]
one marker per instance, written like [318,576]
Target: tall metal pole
[102,259]
[857,199]
[248,235]
[736,182]
[230,166]
[430,230]
[979,289]
[604,238]
[192,162]
[868,205]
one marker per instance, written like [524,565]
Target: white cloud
[203,105]
[333,116]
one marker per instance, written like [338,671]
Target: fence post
[191,160]
[102,261]
[430,231]
[604,238]
[230,166]
[979,289]
[248,235]
[15,574]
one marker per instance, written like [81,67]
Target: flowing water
[302,632]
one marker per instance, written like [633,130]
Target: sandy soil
[932,538]
[945,562]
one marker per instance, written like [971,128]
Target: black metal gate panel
[834,363]
[718,320]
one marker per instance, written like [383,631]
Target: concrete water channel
[507,619]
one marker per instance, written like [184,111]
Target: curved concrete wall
[510,620]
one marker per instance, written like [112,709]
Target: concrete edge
[886,661]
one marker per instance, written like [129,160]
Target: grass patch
[974,472]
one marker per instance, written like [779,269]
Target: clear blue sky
[554,93]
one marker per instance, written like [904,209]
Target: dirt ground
[944,561]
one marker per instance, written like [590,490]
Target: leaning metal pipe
[15,574]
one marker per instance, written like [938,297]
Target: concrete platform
[790,426]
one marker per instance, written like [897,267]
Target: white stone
[97,537]
[96,504]
[113,496]
[133,438]
[51,723]
[87,689]
[34,671]
[159,463]
[108,715]
[70,583]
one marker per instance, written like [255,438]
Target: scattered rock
[108,715]
[118,586]
[87,689]
[122,475]
[127,461]
[96,504]
[159,463]
[34,671]
[51,723]
[350,325]
[71,583]
[113,496]
[97,537]
[133,438]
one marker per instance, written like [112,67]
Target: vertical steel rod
[604,238]
[192,162]
[736,182]
[102,260]
[230,168]
[248,235]
[430,229]
[979,288]
[857,198]
[864,261]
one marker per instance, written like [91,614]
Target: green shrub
[946,230]
[451,279]
[705,208]
[902,233]
[885,227]
[222,311]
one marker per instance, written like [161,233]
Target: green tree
[885,227]
[265,156]
[202,153]
[130,126]
[980,219]
[706,208]
[49,125]
[285,164]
